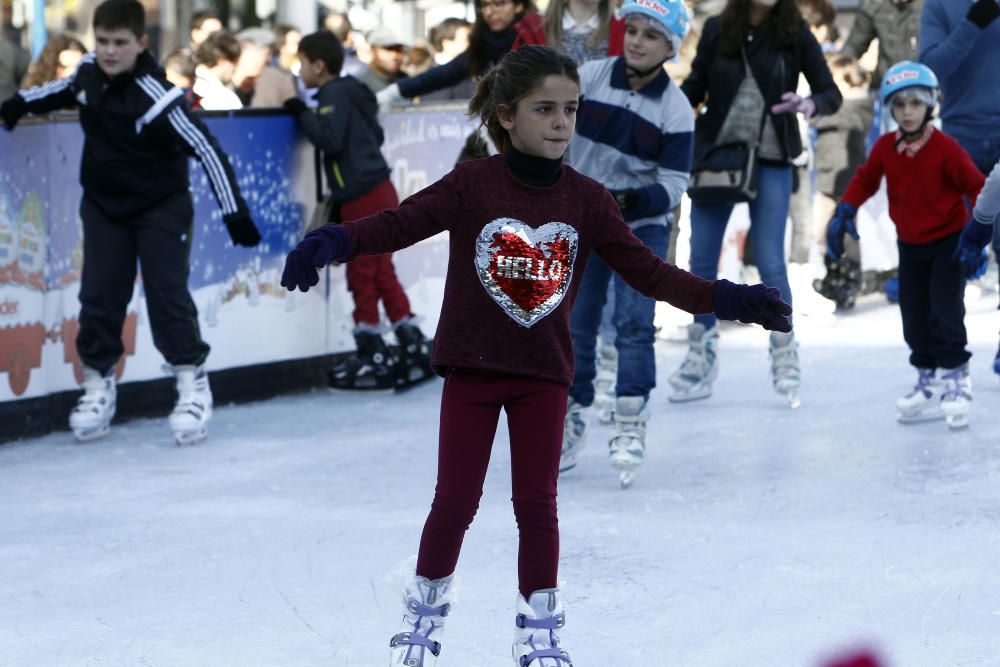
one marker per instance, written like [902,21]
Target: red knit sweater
[517,255]
[925,190]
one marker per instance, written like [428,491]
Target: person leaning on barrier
[137,206]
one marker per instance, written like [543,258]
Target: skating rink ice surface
[754,536]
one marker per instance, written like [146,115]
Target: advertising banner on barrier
[244,314]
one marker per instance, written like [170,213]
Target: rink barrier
[265,341]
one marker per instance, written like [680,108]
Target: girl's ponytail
[483,106]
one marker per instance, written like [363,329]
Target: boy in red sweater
[928,176]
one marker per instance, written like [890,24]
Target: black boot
[371,367]
[414,362]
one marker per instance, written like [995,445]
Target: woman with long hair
[584,29]
[745,73]
[501,26]
[58,59]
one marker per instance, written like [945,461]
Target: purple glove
[970,248]
[329,243]
[752,304]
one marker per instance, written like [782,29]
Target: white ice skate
[627,448]
[536,638]
[604,383]
[923,402]
[91,418]
[189,420]
[574,435]
[693,380]
[418,643]
[785,375]
[956,401]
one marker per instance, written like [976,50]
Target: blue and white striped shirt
[640,139]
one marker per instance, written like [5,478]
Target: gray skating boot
[536,638]
[923,402]
[956,402]
[627,449]
[785,374]
[693,380]
[604,382]
[189,420]
[91,418]
[574,434]
[418,643]
[413,365]
[371,367]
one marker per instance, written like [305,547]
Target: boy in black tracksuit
[137,205]
[345,128]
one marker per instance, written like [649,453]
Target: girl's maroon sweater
[517,255]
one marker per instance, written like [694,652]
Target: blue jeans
[985,152]
[633,320]
[768,218]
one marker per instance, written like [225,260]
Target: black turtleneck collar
[533,170]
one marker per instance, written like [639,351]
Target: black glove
[294,106]
[12,109]
[241,229]
[752,304]
[329,243]
[626,199]
[983,12]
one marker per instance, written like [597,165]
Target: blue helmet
[671,16]
[908,74]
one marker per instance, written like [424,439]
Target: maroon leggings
[470,410]
[373,277]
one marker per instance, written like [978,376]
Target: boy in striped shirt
[633,134]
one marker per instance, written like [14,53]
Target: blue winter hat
[671,17]
[908,74]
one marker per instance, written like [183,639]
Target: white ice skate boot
[785,375]
[627,448]
[693,380]
[574,435]
[956,402]
[923,402]
[189,420]
[604,383]
[91,418]
[418,643]
[536,638]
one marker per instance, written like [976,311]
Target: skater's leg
[633,320]
[390,290]
[768,219]
[947,305]
[915,304]
[361,282]
[163,239]
[470,408]
[585,320]
[106,286]
[535,416]
[708,227]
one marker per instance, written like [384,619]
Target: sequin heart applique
[526,270]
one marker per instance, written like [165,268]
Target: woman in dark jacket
[501,26]
[779,47]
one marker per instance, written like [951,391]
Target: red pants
[470,410]
[373,277]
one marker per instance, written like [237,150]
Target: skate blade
[626,478]
[957,422]
[794,402]
[689,396]
[89,435]
[920,418]
[565,467]
[185,438]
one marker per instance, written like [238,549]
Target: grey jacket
[897,28]
[14,63]
[988,202]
